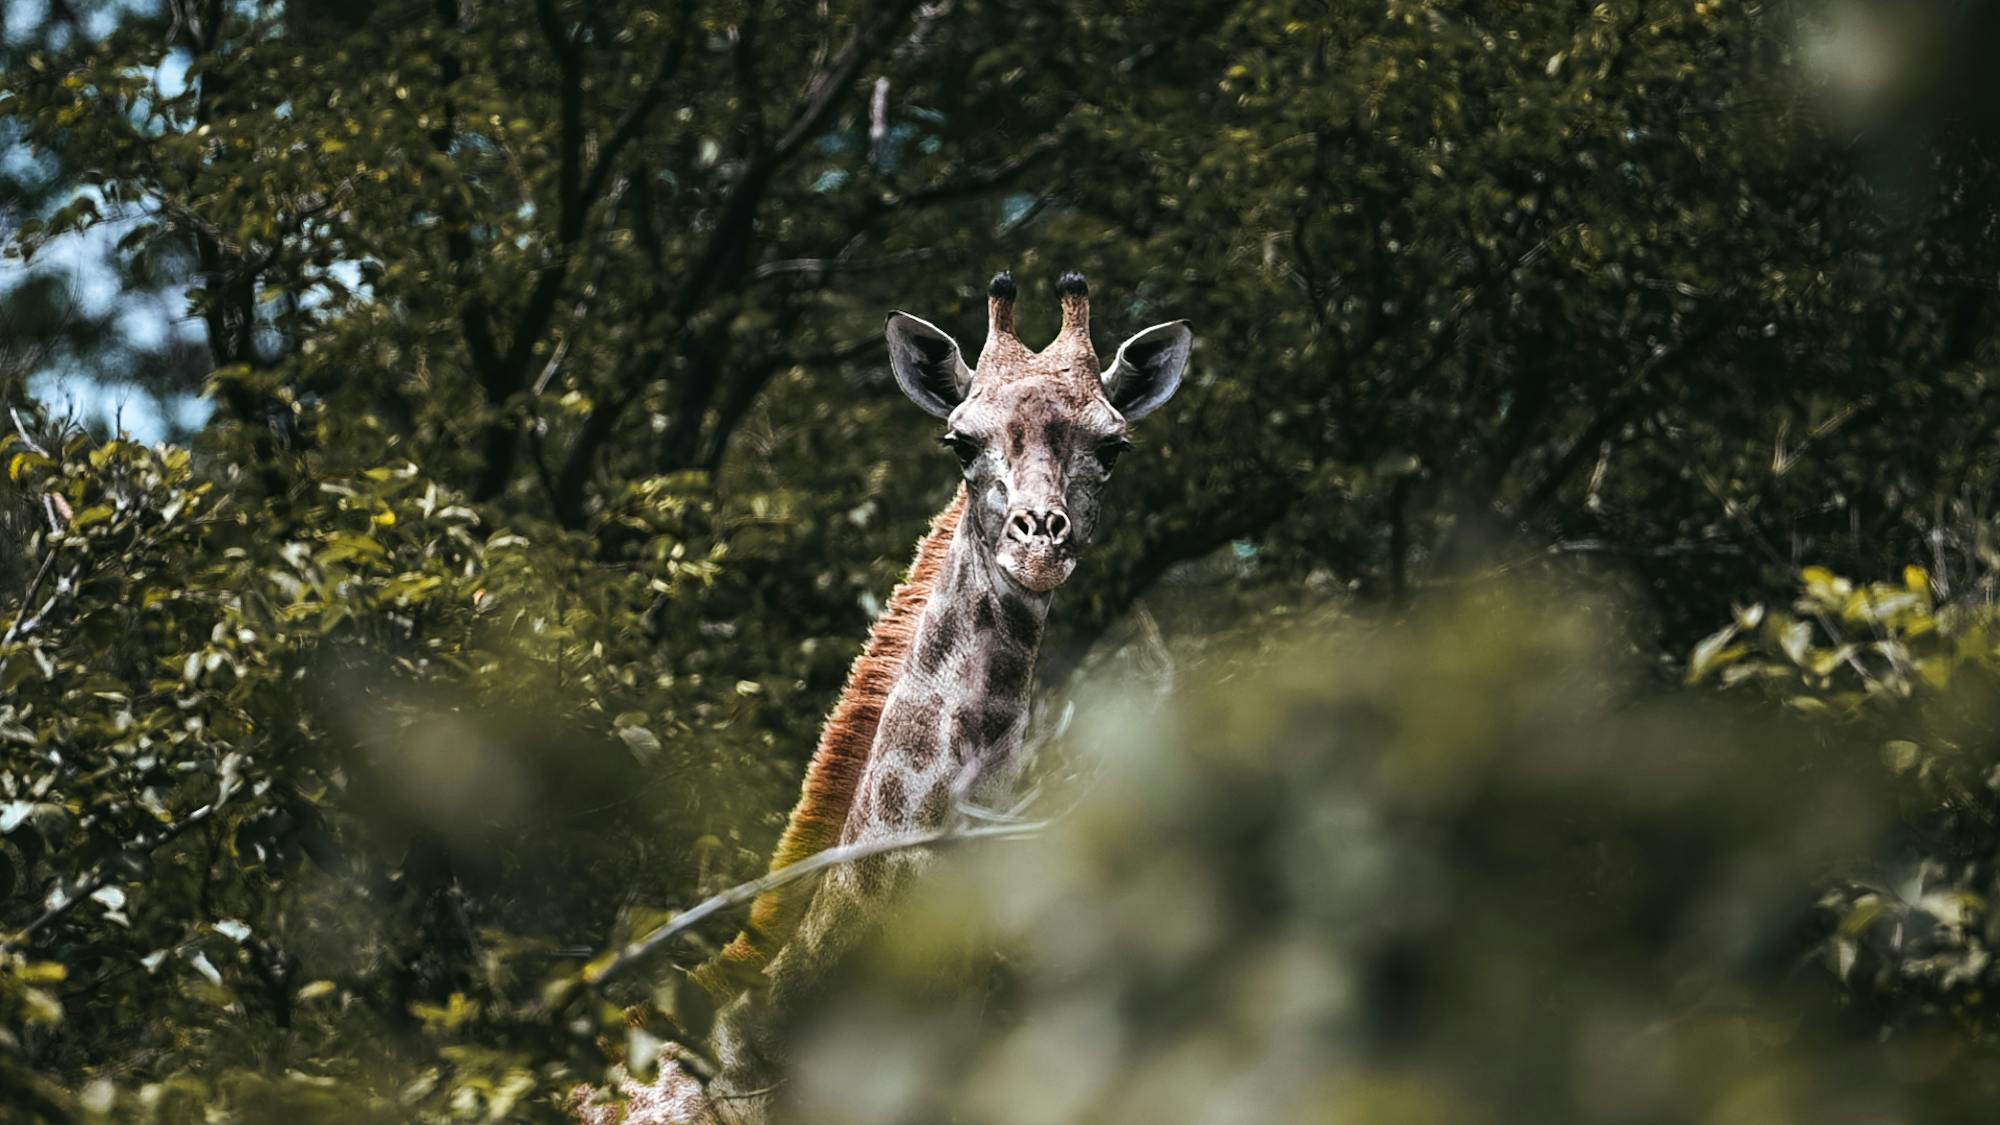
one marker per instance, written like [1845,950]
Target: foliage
[1597,275]
[258,777]
[1910,669]
[1299,889]
[554,478]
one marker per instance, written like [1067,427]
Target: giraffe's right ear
[927,364]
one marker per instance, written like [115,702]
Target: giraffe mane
[834,774]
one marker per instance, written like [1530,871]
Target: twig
[26,622]
[991,178]
[997,816]
[634,119]
[745,893]
[878,121]
[28,596]
[1657,551]
[823,266]
[1154,645]
[824,92]
[102,876]
[740,1095]
[22,428]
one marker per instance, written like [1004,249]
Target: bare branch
[25,621]
[21,427]
[823,97]
[748,86]
[990,178]
[820,268]
[743,894]
[878,120]
[634,121]
[102,875]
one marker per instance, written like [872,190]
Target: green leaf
[1712,653]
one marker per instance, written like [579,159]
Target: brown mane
[835,771]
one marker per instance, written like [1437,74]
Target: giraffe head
[1036,433]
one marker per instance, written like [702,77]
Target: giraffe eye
[1109,453]
[964,447]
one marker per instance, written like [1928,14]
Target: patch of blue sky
[118,408]
[1015,206]
[84,258]
[22,162]
[87,264]
[168,79]
[87,261]
[348,274]
[22,17]
[842,141]
[142,325]
[105,20]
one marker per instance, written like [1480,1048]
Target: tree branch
[598,427]
[729,241]
[1036,154]
[634,121]
[101,876]
[1609,418]
[745,893]
[824,94]
[724,257]
[577,193]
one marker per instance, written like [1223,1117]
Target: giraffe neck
[951,730]
[952,727]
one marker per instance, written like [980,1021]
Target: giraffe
[935,708]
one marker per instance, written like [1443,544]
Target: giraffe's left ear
[927,364]
[1148,369]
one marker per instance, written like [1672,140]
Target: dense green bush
[341,786]
[1908,670]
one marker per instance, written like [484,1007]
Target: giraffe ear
[927,364]
[1148,369]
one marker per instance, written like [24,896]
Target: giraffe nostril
[1056,525]
[1026,525]
[1021,526]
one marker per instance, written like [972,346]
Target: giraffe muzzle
[1035,548]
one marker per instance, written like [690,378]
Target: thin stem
[101,876]
[745,893]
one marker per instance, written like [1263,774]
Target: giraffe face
[1036,434]
[1036,456]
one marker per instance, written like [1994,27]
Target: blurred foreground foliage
[554,480]
[1472,865]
